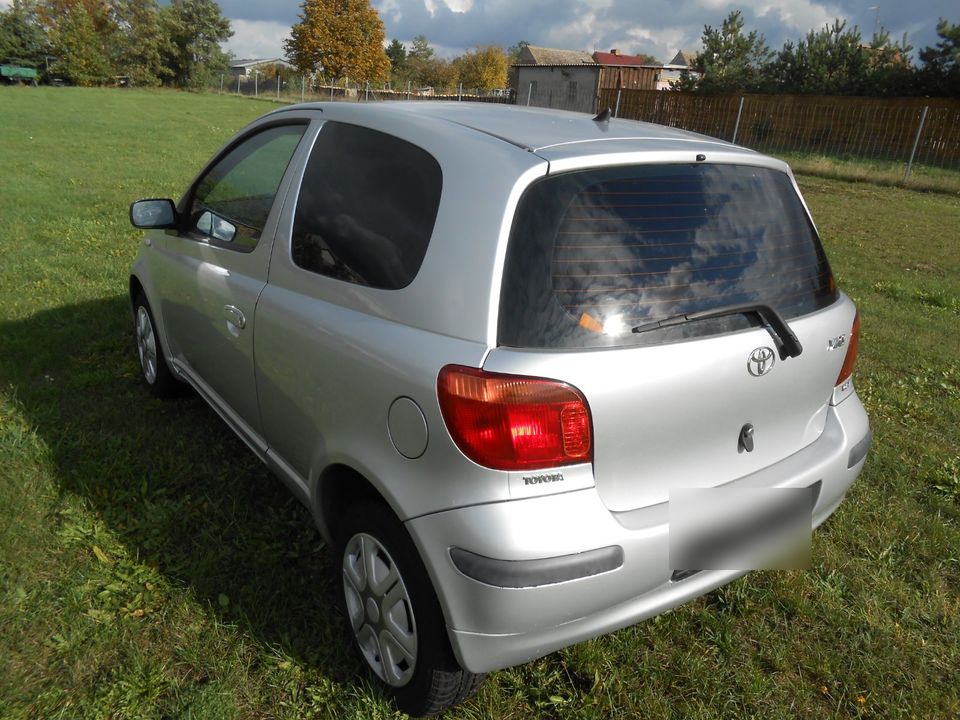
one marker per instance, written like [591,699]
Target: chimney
[614,51]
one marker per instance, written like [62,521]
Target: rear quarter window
[592,254]
[367,207]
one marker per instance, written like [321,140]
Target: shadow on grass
[172,481]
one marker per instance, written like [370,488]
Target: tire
[153,364]
[394,615]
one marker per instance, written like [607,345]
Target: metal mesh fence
[287,87]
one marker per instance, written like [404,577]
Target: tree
[830,61]
[940,73]
[421,50]
[484,68]
[398,57]
[194,31]
[140,43]
[80,33]
[730,60]
[21,40]
[340,38]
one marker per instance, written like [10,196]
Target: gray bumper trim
[859,451]
[543,571]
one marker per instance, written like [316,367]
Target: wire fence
[905,130]
[287,87]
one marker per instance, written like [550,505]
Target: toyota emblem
[761,361]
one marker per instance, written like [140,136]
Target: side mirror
[153,214]
[216,227]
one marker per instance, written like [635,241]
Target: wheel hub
[380,611]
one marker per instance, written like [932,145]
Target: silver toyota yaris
[538,376]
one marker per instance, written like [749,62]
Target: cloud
[257,38]
[657,27]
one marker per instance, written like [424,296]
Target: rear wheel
[394,614]
[153,364]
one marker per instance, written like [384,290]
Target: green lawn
[150,567]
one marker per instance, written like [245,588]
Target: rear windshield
[592,254]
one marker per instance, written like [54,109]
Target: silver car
[537,376]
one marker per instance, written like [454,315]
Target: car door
[211,270]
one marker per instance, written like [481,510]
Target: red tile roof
[605,58]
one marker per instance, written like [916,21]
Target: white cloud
[256,38]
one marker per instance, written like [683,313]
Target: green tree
[421,50]
[398,57]
[829,61]
[940,71]
[80,34]
[484,68]
[731,61]
[140,42]
[22,41]
[340,38]
[191,53]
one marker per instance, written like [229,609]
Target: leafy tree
[940,73]
[22,42]
[194,31]
[730,61]
[140,42]
[80,33]
[484,68]
[340,38]
[398,57]
[421,50]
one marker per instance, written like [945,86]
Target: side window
[231,202]
[367,207]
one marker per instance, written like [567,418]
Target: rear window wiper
[786,341]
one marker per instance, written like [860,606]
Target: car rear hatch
[596,253]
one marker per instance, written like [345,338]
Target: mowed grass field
[150,567]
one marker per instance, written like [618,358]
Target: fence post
[238,84]
[331,91]
[221,83]
[529,91]
[278,86]
[408,89]
[616,110]
[256,79]
[736,125]
[303,86]
[916,141]
[460,92]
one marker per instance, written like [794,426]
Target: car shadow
[174,484]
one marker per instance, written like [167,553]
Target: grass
[926,178]
[150,567]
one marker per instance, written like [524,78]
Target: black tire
[437,681]
[153,363]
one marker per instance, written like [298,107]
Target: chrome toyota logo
[761,361]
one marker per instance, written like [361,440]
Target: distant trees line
[835,60]
[94,42]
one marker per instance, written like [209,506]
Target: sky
[656,27]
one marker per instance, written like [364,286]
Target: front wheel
[153,365]
[395,616]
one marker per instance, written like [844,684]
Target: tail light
[847,370]
[512,422]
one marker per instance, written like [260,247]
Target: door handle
[234,316]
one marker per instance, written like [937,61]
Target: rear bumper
[504,621]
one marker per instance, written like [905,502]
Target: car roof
[535,129]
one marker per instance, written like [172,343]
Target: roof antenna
[603,116]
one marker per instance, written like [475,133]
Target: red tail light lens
[511,422]
[847,370]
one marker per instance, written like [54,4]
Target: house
[626,71]
[682,62]
[564,79]
[245,68]
[572,79]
